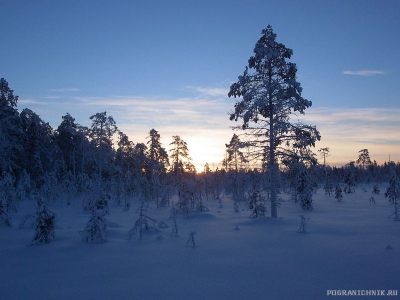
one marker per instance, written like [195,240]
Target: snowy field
[345,248]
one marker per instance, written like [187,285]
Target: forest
[77,162]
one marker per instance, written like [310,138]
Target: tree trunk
[272,170]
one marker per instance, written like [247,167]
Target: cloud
[347,130]
[209,91]
[62,90]
[29,102]
[365,72]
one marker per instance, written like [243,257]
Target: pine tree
[174,230]
[270,95]
[338,193]
[179,152]
[363,158]
[101,133]
[393,193]
[142,224]
[304,188]
[256,201]
[349,182]
[157,160]
[95,228]
[324,153]
[45,221]
[11,133]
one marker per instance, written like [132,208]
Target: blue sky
[168,65]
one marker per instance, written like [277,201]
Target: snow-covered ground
[345,248]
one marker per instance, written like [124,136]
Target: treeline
[73,160]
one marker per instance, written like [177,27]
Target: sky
[168,66]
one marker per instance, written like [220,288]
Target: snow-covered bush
[393,193]
[375,189]
[349,183]
[190,240]
[186,199]
[95,228]
[142,225]
[338,193]
[302,228]
[328,188]
[174,230]
[4,217]
[304,188]
[256,203]
[45,221]
[8,194]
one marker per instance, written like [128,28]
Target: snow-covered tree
[45,221]
[11,133]
[338,193]
[302,228]
[101,133]
[179,152]
[375,189]
[142,224]
[70,140]
[393,193]
[235,157]
[270,95]
[328,187]
[363,158]
[190,240]
[256,200]
[324,153]
[186,198]
[95,228]
[4,215]
[174,230]
[38,145]
[157,160]
[349,182]
[304,187]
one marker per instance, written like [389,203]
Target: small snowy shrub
[142,225]
[186,198]
[256,203]
[375,189]
[4,217]
[45,219]
[174,230]
[302,228]
[328,188]
[304,188]
[349,183]
[393,193]
[338,193]
[95,228]
[190,240]
[201,207]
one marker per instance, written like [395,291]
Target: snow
[346,247]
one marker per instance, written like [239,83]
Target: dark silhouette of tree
[179,152]
[101,133]
[324,153]
[363,158]
[11,134]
